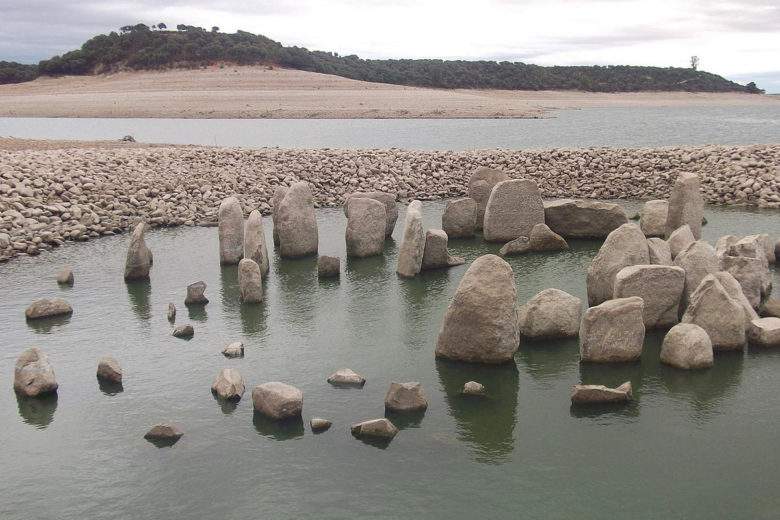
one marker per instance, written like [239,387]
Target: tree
[694,62]
[162,26]
[215,29]
[181,27]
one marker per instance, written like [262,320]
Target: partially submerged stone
[687,346]
[652,219]
[734,290]
[459,219]
[109,370]
[164,432]
[659,251]
[613,331]
[405,397]
[346,377]
[680,239]
[255,247]
[297,226]
[659,286]
[276,201]
[250,281]
[228,385]
[183,331]
[435,254]
[552,313]
[318,424]
[473,388]
[623,247]
[513,209]
[378,428]
[481,184]
[410,253]
[388,199]
[33,374]
[171,315]
[585,394]
[366,224]
[231,231]
[138,261]
[722,317]
[196,294]
[48,308]
[65,276]
[277,400]
[233,350]
[542,238]
[328,266]
[583,218]
[686,205]
[765,332]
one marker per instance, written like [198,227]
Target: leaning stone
[659,251]
[328,266]
[686,205]
[624,246]
[680,239]
[65,276]
[480,324]
[734,290]
[698,260]
[298,235]
[513,209]
[542,238]
[613,331]
[277,400]
[583,394]
[250,281]
[109,370]
[481,184]
[196,294]
[33,374]
[183,331]
[171,312]
[687,346]
[659,286]
[460,218]
[379,428]
[765,332]
[276,201]
[231,231]
[388,199]
[228,385]
[550,314]
[255,247]
[164,432]
[473,388]
[366,223]
[233,350]
[47,308]
[346,377]
[318,424]
[583,218]
[410,254]
[653,218]
[718,314]
[139,258]
[435,254]
[405,397]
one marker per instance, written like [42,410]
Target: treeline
[141,47]
[12,72]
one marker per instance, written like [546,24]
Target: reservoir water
[693,445]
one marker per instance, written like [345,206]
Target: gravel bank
[49,196]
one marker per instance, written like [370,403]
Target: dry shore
[260,92]
[48,196]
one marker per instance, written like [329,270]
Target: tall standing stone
[652,218]
[139,257]
[297,227]
[480,185]
[513,209]
[276,201]
[250,281]
[366,225]
[255,247]
[459,219]
[412,248]
[388,199]
[480,324]
[686,205]
[624,246]
[231,231]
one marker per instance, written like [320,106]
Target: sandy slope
[257,92]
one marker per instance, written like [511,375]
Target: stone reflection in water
[406,419]
[291,428]
[547,359]
[229,292]
[424,299]
[47,325]
[228,406]
[197,312]
[487,423]
[297,284]
[140,293]
[37,411]
[109,387]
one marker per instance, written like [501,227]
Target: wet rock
[366,224]
[233,350]
[33,374]
[139,258]
[196,294]
[171,312]
[550,314]
[659,286]
[183,331]
[473,388]
[480,324]
[435,253]
[276,201]
[65,276]
[231,231]
[277,400]
[481,184]
[583,218]
[47,308]
[228,385]
[623,247]
[652,219]
[687,346]
[405,397]
[250,281]
[659,251]
[584,394]
[698,260]
[680,239]
[318,424]
[164,432]
[255,247]
[542,238]
[379,428]
[328,266]
[410,253]
[513,209]
[765,332]
[460,218]
[109,370]
[388,199]
[718,314]
[297,228]
[686,205]
[613,331]
[346,377]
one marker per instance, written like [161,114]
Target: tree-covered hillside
[12,72]
[141,47]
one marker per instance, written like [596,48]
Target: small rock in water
[109,370]
[65,277]
[405,397]
[47,308]
[167,433]
[601,394]
[171,312]
[228,385]
[542,238]
[318,424]
[235,349]
[328,266]
[196,294]
[33,374]
[765,332]
[346,377]
[277,400]
[183,331]
[473,388]
[379,428]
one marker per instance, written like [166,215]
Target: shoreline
[52,195]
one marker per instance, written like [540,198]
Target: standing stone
[588,394]
[513,209]
[435,254]
[613,331]
[584,218]
[624,246]
[680,239]
[250,281]
[542,238]
[734,290]
[659,251]
[405,397]
[276,201]
[718,314]
[65,276]
[388,199]
[698,260]
[231,231]
[459,219]
[659,286]
[139,258]
[366,224]
[550,314]
[751,274]
[196,294]
[687,346]
[109,370]
[297,227]
[33,374]
[686,205]
[765,332]
[228,385]
[480,186]
[48,308]
[255,247]
[410,254]
[277,400]
[328,266]
[652,218]
[171,312]
[480,324]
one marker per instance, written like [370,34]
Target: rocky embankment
[50,196]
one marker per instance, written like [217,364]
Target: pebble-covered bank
[49,196]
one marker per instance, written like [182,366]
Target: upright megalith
[583,218]
[250,281]
[722,317]
[410,254]
[231,231]
[459,219]
[652,218]
[624,246]
[33,374]
[366,226]
[513,209]
[436,255]
[686,205]
[480,185]
[613,331]
[297,225]
[276,201]
[480,324]
[661,288]
[255,247]
[698,260]
[388,199]
[139,258]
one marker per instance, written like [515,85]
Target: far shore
[254,92]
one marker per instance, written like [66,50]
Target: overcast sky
[738,39]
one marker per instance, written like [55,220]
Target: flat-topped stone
[583,218]
[613,331]
[584,394]
[652,218]
[277,400]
